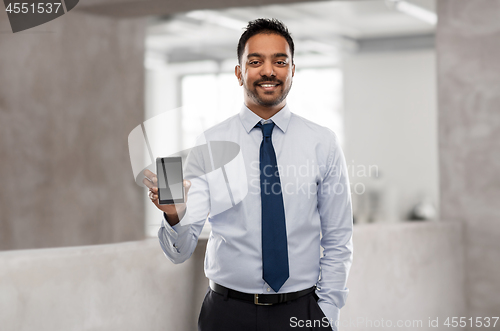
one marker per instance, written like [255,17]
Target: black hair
[264,25]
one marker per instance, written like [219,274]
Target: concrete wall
[405,273]
[71,91]
[127,286]
[468,48]
[409,271]
[391,122]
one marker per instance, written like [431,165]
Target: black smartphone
[170,180]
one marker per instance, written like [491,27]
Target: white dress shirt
[318,212]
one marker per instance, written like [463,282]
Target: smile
[268,86]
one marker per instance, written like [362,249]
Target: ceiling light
[217,19]
[413,10]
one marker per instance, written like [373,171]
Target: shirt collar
[249,118]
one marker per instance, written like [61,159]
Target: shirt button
[268,289]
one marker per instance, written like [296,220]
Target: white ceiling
[323,27]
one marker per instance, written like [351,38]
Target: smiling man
[263,256]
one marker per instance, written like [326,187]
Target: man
[263,257]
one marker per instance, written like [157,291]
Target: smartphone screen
[169,173]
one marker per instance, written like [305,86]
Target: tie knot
[267,129]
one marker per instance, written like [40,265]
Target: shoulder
[312,129]
[220,130]
[224,126]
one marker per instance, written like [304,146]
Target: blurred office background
[413,98]
[364,69]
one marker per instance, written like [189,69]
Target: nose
[267,69]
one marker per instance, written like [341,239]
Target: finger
[187,186]
[153,196]
[152,178]
[154,190]
[148,183]
[148,173]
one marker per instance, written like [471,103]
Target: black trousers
[225,314]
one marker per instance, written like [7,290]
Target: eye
[281,63]
[253,62]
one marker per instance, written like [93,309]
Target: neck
[265,112]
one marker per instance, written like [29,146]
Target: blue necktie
[274,243]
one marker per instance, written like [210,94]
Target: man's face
[266,71]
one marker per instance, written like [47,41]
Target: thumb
[187,186]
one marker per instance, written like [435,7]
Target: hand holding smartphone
[174,188]
[170,180]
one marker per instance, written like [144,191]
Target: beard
[268,102]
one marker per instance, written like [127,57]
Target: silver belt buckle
[256,301]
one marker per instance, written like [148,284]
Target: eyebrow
[260,55]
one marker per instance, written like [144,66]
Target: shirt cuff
[331,312]
[176,231]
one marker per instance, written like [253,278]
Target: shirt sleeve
[178,242]
[334,206]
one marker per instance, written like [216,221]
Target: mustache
[267,80]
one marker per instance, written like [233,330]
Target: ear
[237,73]
[293,69]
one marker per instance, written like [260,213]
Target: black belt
[260,299]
